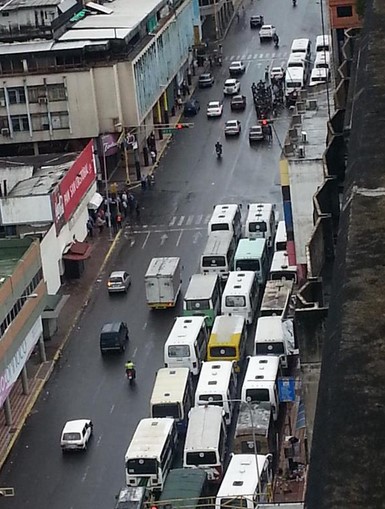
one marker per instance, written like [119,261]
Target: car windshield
[230,83]
[144,466]
[255,130]
[71,436]
[116,279]
[231,123]
[214,105]
[205,76]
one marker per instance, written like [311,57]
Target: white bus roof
[162,266]
[281,230]
[239,282]
[260,211]
[224,213]
[218,243]
[201,286]
[185,328]
[322,40]
[269,328]
[299,45]
[295,74]
[204,428]
[295,58]
[225,327]
[149,438]
[241,478]
[170,385]
[262,368]
[281,263]
[214,378]
[250,248]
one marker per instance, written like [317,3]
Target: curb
[38,390]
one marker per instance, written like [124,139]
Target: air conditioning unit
[42,100]
[5,131]
[2,103]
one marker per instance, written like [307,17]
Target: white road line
[207,219]
[145,326]
[99,440]
[255,56]
[238,57]
[247,65]
[136,349]
[250,56]
[167,230]
[198,219]
[190,220]
[172,222]
[85,473]
[180,236]
[112,408]
[180,222]
[145,240]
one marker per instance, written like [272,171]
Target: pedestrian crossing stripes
[191,220]
[257,56]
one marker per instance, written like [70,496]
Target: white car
[236,68]
[76,434]
[214,109]
[231,86]
[119,281]
[267,32]
[232,128]
[277,73]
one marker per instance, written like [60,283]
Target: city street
[173,222]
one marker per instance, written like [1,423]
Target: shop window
[345,11]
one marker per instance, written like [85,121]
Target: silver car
[232,128]
[119,281]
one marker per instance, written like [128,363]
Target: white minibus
[205,445]
[218,255]
[322,60]
[261,382]
[217,386]
[319,76]
[172,396]
[203,297]
[151,452]
[280,242]
[240,295]
[280,268]
[186,345]
[252,254]
[261,222]
[275,337]
[226,217]
[322,43]
[246,482]
[297,61]
[302,46]
[294,80]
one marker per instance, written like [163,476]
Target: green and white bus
[203,297]
[252,254]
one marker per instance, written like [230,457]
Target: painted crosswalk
[191,220]
[246,57]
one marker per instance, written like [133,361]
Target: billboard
[71,189]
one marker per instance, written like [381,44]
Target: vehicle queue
[207,374]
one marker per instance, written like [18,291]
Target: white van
[294,80]
[218,255]
[240,296]
[319,76]
[205,445]
[186,345]
[322,60]
[280,242]
[246,482]
[275,337]
[217,386]
[261,382]
[261,222]
[226,217]
[301,46]
[323,43]
[280,268]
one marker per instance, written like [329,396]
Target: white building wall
[26,210]
[13,175]
[305,177]
[25,17]
[50,255]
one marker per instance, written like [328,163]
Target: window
[60,120]
[19,123]
[16,95]
[345,11]
[35,92]
[57,92]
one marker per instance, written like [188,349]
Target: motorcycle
[218,150]
[131,375]
[294,3]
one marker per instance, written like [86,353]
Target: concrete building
[116,67]
[22,298]
[215,16]
[52,205]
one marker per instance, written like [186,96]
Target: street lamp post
[107,192]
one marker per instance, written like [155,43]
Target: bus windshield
[227,503]
[167,410]
[235,301]
[258,227]
[218,227]
[223,351]
[196,305]
[276,348]
[257,395]
[179,351]
[142,466]
[248,265]
[214,261]
[201,458]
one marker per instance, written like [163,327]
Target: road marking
[180,236]
[163,239]
[238,57]
[136,349]
[167,230]
[189,221]
[145,326]
[99,440]
[145,240]
[181,219]
[250,56]
[132,242]
[172,222]
[207,219]
[199,219]
[112,408]
[85,473]
[255,56]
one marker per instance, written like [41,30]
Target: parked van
[240,295]
[247,482]
[322,60]
[226,217]
[275,337]
[205,445]
[186,345]
[261,222]
[318,76]
[217,385]
[323,43]
[280,268]
[280,242]
[297,61]
[218,255]
[228,340]
[203,297]
[172,396]
[261,382]
[294,80]
[252,254]
[302,46]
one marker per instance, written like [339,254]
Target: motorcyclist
[130,367]
[218,148]
[294,3]
[276,40]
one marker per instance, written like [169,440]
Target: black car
[191,108]
[256,21]
[238,103]
[206,80]
[113,336]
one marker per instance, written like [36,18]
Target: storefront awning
[78,251]
[95,202]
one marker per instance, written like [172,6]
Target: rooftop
[11,252]
[13,5]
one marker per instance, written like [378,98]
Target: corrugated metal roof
[109,33]
[12,5]
[24,47]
